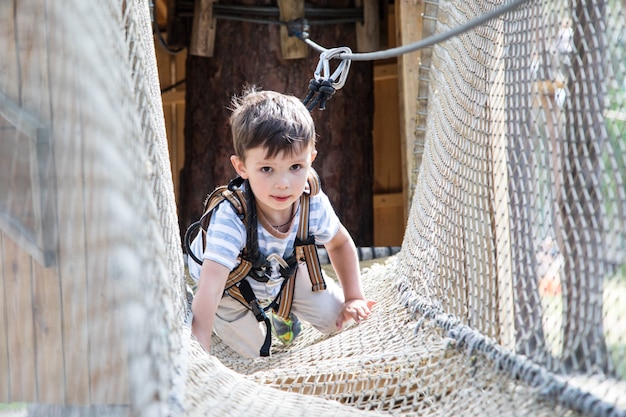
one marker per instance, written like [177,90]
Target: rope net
[507,297]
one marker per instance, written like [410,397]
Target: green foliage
[12,406]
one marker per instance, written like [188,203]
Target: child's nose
[282,182]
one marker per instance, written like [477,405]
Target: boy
[274,141]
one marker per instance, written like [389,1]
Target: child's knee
[239,329]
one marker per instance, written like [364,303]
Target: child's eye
[296,167]
[266,169]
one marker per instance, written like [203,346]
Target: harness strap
[306,251]
[283,309]
[240,272]
[313,183]
[253,304]
[235,197]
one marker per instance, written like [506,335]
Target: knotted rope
[324,84]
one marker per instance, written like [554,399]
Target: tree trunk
[250,53]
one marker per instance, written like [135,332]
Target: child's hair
[278,122]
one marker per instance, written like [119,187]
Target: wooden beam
[368,32]
[161,13]
[20,330]
[203,29]
[387,200]
[409,22]
[290,46]
[173,97]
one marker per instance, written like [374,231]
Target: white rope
[424,43]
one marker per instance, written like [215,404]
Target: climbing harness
[254,264]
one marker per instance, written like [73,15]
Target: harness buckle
[260,274]
[257,310]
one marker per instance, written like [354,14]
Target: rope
[270,15]
[324,84]
[549,384]
[156,30]
[424,43]
[322,87]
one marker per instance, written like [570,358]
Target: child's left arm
[343,256]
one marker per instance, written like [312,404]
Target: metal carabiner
[339,76]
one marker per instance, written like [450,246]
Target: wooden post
[203,29]
[290,46]
[368,32]
[409,23]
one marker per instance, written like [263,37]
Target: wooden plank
[389,229]
[8,67]
[386,71]
[409,21]
[180,66]
[203,29]
[165,69]
[68,133]
[20,330]
[28,219]
[388,210]
[368,31]
[162,9]
[5,386]
[47,315]
[171,70]
[391,26]
[173,97]
[9,86]
[388,200]
[178,155]
[46,297]
[290,46]
[108,365]
[386,131]
[32,57]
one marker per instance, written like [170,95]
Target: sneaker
[286,330]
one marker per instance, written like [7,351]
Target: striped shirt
[226,238]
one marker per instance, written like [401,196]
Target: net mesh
[507,297]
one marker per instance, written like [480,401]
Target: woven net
[507,297]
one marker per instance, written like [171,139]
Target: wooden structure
[395,86]
[58,319]
[58,344]
[63,328]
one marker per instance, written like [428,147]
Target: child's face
[276,182]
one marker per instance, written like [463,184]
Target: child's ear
[313,155]
[239,166]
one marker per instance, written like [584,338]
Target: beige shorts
[239,329]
